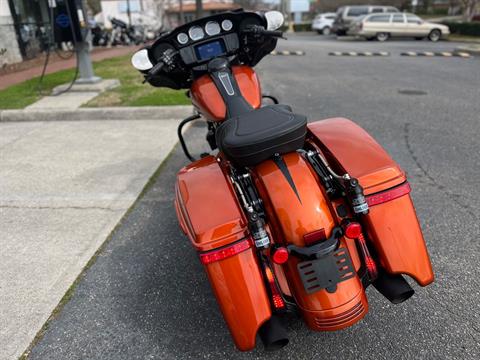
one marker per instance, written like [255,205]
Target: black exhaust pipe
[273,334]
[394,287]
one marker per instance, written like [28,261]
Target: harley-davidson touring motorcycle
[286,216]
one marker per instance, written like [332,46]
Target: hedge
[464,28]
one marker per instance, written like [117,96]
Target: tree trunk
[198,9]
[469,7]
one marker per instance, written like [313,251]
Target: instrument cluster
[211,28]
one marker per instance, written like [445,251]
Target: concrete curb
[104,113]
[471,49]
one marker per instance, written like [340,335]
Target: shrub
[464,28]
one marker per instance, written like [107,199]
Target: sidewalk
[7,80]
[64,186]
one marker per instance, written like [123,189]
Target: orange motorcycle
[286,216]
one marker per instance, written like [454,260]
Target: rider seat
[254,136]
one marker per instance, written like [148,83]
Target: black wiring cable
[47,57]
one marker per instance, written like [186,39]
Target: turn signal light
[389,195]
[280,256]
[353,230]
[225,252]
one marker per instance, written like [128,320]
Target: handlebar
[153,71]
[260,30]
[167,60]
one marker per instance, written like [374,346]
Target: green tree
[94,5]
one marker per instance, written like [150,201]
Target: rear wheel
[382,36]
[435,35]
[326,30]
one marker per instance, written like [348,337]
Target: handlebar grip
[274,33]
[154,71]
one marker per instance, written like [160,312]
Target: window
[412,19]
[391,9]
[379,18]
[134,6]
[377,10]
[357,11]
[330,17]
[398,18]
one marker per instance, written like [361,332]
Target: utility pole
[182,16]
[198,9]
[129,13]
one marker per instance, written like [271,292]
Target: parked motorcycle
[286,216]
[123,34]
[100,37]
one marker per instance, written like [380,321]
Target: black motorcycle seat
[257,135]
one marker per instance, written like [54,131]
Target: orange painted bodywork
[352,149]
[392,226]
[208,212]
[292,217]
[207,206]
[395,232]
[241,295]
[207,99]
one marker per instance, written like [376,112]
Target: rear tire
[341,32]
[382,36]
[435,35]
[326,30]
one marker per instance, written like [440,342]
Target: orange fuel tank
[298,208]
[207,99]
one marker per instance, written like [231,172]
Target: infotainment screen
[210,50]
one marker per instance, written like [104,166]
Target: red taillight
[277,299]
[369,262]
[388,195]
[353,230]
[225,252]
[314,237]
[280,256]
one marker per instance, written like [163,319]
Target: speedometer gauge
[212,28]
[227,25]
[182,38]
[196,33]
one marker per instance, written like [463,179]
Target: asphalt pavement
[146,296]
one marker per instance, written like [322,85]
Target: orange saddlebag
[209,214]
[392,223]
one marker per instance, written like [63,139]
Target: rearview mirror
[274,20]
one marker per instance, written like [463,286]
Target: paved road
[146,296]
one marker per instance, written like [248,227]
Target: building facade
[175,9]
[24,29]
[147,12]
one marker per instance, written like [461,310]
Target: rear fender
[296,205]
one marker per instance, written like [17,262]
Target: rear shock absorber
[256,224]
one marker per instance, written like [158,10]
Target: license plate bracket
[326,272]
